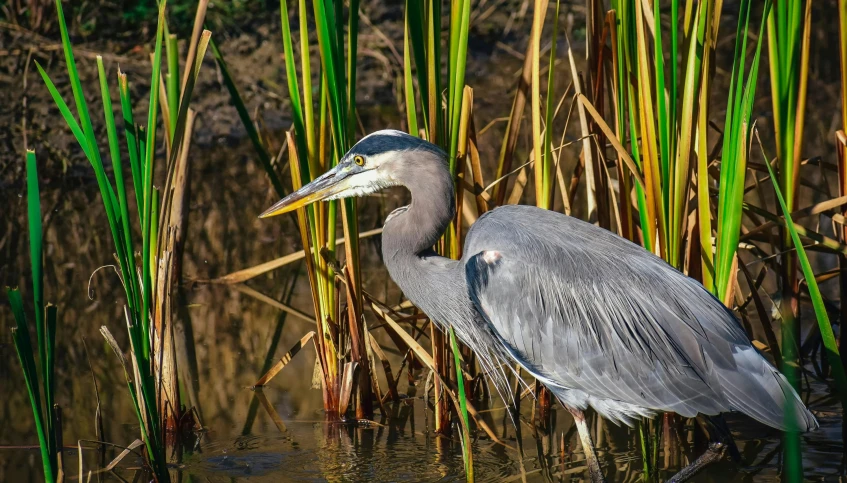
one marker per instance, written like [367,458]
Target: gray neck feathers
[425,174]
[435,284]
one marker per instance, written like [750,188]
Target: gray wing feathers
[603,322]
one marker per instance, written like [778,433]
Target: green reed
[467,454]
[657,99]
[794,461]
[153,401]
[737,141]
[45,413]
[322,132]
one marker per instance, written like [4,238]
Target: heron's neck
[432,208]
[435,284]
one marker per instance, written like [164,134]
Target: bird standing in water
[600,321]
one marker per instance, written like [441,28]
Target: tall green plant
[788,36]
[318,143]
[44,414]
[737,139]
[467,453]
[657,98]
[139,280]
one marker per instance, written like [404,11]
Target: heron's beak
[331,183]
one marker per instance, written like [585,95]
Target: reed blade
[467,452]
[827,335]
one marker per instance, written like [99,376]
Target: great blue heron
[600,321]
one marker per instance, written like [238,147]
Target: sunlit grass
[146,282]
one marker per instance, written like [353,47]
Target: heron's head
[380,160]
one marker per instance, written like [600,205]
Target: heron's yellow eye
[360,161]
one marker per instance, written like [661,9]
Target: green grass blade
[335,17]
[734,154]
[149,157]
[456,7]
[49,375]
[827,336]
[674,70]
[23,340]
[433,73]
[90,150]
[125,252]
[408,80]
[352,49]
[684,124]
[547,161]
[300,137]
[36,253]
[24,351]
[463,404]
[306,71]
[645,449]
[149,229]
[172,80]
[154,240]
[325,21]
[415,22]
[458,75]
[131,135]
[76,87]
[65,111]
[141,131]
[663,117]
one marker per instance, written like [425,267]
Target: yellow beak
[330,183]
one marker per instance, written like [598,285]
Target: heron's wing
[590,312]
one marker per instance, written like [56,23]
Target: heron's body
[599,320]
[612,326]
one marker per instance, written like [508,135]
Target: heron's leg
[713,454]
[587,446]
